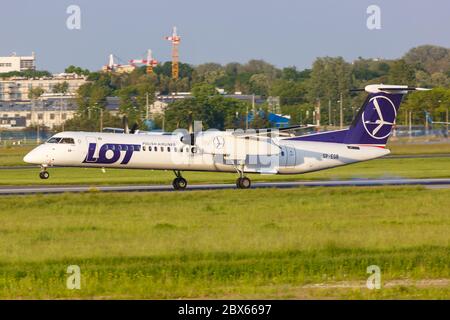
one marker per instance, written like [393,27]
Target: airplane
[266,151]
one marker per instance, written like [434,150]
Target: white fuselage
[213,151]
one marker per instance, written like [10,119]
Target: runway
[24,190]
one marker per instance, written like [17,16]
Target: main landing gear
[242,182]
[44,173]
[179,183]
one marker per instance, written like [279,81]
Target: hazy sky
[281,32]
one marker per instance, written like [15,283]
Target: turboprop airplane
[253,151]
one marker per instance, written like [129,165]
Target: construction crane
[175,39]
[149,62]
[111,65]
[116,67]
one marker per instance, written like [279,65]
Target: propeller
[126,128]
[134,128]
[125,124]
[189,138]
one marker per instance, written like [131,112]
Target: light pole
[410,123]
[329,112]
[341,112]
[101,119]
[147,107]
[446,119]
[317,114]
[246,117]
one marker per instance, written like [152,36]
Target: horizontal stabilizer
[388,88]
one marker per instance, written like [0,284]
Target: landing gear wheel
[44,175]
[243,183]
[179,183]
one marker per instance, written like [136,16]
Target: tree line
[300,91]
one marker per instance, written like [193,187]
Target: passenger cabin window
[162,149]
[67,141]
[149,148]
[53,140]
[168,149]
[156,148]
[143,148]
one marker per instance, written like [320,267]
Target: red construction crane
[149,62]
[175,39]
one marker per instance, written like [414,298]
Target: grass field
[419,148]
[256,244]
[296,243]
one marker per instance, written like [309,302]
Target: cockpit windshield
[67,140]
[61,140]
[53,140]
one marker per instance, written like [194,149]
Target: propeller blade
[134,128]
[125,124]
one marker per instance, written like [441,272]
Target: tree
[181,113]
[401,73]
[291,73]
[435,102]
[289,91]
[202,91]
[259,84]
[128,105]
[429,58]
[261,66]
[82,123]
[329,77]
[77,70]
[61,87]
[35,93]
[206,105]
[30,74]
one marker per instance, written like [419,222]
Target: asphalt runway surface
[23,190]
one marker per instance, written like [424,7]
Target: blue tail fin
[374,121]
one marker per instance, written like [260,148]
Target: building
[12,123]
[48,114]
[17,88]
[17,63]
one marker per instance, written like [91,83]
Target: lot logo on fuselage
[378,124]
[111,152]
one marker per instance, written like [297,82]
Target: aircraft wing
[256,133]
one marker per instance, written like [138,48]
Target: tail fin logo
[379,124]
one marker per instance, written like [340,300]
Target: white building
[17,88]
[21,116]
[17,63]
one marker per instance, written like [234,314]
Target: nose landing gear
[179,183]
[44,173]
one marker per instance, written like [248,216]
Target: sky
[282,32]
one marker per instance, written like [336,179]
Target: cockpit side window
[67,141]
[53,140]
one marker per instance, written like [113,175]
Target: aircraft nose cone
[33,157]
[28,157]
